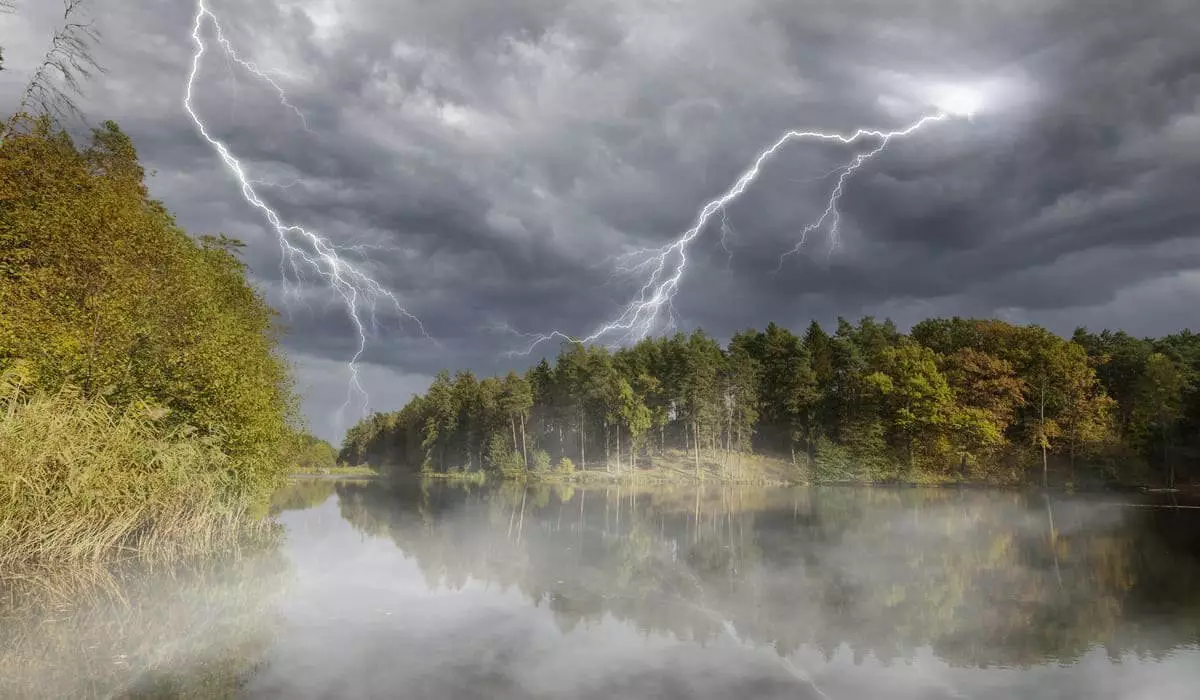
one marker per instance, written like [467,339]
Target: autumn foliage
[104,296]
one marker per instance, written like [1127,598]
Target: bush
[566,466]
[504,459]
[541,461]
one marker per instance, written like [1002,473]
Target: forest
[952,400]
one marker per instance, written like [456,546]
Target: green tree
[442,420]
[700,388]
[635,417]
[919,401]
[516,400]
[1160,393]
[743,379]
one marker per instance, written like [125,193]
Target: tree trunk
[1044,439]
[582,441]
[729,434]
[696,435]
[607,449]
[618,448]
[524,451]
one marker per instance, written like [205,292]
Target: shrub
[541,461]
[566,466]
[504,459]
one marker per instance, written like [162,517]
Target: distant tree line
[954,398]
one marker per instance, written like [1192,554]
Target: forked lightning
[664,267]
[302,249]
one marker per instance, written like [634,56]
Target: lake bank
[675,467]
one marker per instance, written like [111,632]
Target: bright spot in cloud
[963,102]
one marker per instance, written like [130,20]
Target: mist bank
[954,400]
[980,578]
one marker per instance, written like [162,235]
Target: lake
[439,591]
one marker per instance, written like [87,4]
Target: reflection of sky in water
[360,620]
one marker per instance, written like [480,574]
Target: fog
[437,591]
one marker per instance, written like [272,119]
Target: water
[446,592]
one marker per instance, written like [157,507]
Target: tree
[1160,406]
[987,394]
[743,377]
[919,401]
[516,400]
[700,387]
[635,417]
[788,385]
[1120,360]
[1086,413]
[313,454]
[442,418]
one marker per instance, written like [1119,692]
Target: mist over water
[439,591]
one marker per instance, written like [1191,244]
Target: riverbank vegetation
[953,400]
[144,396]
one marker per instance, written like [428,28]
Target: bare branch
[56,82]
[6,8]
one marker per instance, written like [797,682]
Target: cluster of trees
[954,397]
[101,290]
[312,455]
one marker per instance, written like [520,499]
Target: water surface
[437,591]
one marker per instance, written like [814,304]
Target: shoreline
[661,477]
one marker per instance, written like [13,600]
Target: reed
[81,480]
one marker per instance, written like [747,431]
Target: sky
[492,159]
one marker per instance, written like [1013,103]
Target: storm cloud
[492,156]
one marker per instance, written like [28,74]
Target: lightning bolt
[303,251]
[663,268]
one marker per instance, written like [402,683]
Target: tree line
[953,398]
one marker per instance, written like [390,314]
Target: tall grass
[80,480]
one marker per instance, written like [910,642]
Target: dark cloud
[491,157]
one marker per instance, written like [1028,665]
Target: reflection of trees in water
[196,628]
[301,494]
[982,578]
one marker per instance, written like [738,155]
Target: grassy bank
[81,480]
[671,467]
[679,467]
[338,471]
